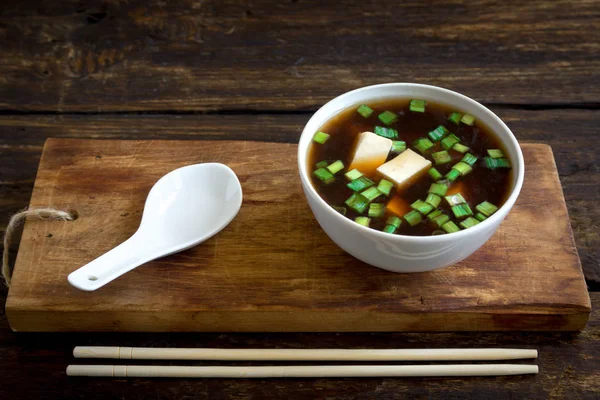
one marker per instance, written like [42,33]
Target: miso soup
[410,167]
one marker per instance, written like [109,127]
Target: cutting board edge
[571,235]
[17,304]
[135,321]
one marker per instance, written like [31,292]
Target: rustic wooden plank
[95,56]
[569,367]
[568,363]
[571,133]
[273,268]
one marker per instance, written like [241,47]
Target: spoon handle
[128,255]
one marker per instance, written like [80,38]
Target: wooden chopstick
[301,371]
[150,353]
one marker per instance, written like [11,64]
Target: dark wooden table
[256,70]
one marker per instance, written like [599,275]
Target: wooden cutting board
[273,268]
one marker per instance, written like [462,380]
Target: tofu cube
[370,152]
[405,169]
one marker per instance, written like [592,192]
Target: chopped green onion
[433,199]
[357,202]
[438,133]
[422,207]
[441,157]
[486,208]
[320,137]
[321,164]
[389,229]
[376,210]
[417,105]
[467,119]
[503,162]
[455,199]
[352,175]
[392,224]
[462,210]
[449,141]
[423,144]
[385,186]
[413,218]
[480,217]
[341,210]
[371,193]
[335,167]
[364,221]
[434,174]
[388,133]
[398,146]
[394,221]
[455,117]
[495,153]
[463,168]
[469,159]
[365,110]
[361,183]
[325,176]
[493,163]
[452,175]
[450,227]
[438,188]
[468,223]
[440,220]
[434,214]
[388,117]
[461,148]
[438,232]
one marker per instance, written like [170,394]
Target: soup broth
[487,183]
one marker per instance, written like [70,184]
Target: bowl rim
[480,228]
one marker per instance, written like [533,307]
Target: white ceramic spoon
[184,208]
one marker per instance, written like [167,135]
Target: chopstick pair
[301,371]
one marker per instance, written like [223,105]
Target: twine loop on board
[16,220]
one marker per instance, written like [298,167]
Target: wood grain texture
[571,133]
[273,269]
[568,363]
[127,55]
[195,55]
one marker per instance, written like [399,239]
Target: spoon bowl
[184,208]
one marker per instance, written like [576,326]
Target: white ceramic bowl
[401,253]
